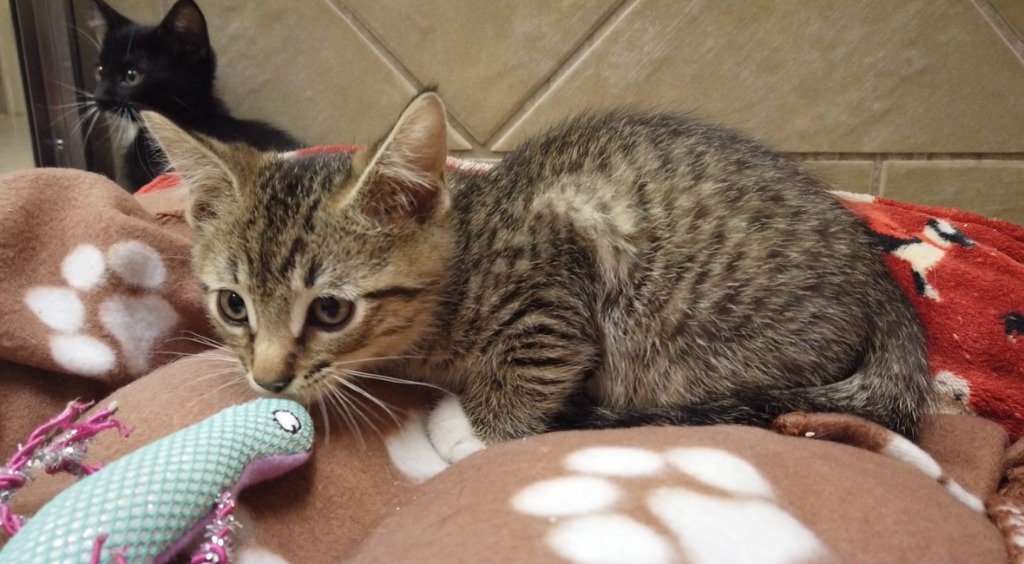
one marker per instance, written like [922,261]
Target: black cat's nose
[104,97]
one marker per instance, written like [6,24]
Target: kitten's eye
[132,77]
[329,312]
[99,72]
[232,307]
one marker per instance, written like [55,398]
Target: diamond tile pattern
[486,57]
[866,82]
[149,498]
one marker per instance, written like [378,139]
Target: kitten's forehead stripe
[290,202]
[312,272]
[393,292]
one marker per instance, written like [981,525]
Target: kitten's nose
[273,385]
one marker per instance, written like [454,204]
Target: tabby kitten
[170,69]
[621,269]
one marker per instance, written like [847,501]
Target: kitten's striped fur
[621,269]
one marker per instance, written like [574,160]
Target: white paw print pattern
[136,321]
[745,525]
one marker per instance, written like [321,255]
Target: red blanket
[965,275]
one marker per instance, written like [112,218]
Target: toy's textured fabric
[143,504]
[663,494]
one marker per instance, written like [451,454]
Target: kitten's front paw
[451,432]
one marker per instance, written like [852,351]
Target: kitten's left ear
[186,27]
[405,176]
[210,182]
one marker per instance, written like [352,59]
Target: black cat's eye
[99,72]
[232,307]
[132,77]
[328,312]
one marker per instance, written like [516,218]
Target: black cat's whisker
[77,104]
[184,105]
[81,107]
[70,87]
[89,113]
[92,122]
[88,37]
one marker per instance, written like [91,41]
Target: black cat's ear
[199,162]
[109,16]
[185,26]
[404,177]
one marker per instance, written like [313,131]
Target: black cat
[168,68]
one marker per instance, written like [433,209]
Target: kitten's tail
[891,388]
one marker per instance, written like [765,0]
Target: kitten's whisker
[199,339]
[383,405]
[356,410]
[204,376]
[227,384]
[395,380]
[346,408]
[375,359]
[206,355]
[326,419]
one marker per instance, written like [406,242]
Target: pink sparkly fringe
[58,456]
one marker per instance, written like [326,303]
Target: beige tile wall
[921,100]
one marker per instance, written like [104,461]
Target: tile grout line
[375,43]
[877,168]
[1005,31]
[600,30]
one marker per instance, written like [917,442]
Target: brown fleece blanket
[99,305]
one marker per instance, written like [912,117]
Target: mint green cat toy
[153,503]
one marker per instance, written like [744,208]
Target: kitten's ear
[109,16]
[185,26]
[205,174]
[405,176]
